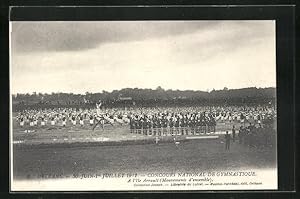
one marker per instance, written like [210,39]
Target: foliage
[150,97]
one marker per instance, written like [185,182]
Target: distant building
[125,98]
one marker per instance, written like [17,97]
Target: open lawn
[88,158]
[192,156]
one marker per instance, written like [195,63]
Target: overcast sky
[186,55]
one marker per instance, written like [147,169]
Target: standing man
[81,122]
[233,133]
[98,107]
[64,121]
[91,120]
[22,122]
[73,120]
[241,134]
[227,141]
[99,116]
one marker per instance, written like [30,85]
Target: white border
[11,180]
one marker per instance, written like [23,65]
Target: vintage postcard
[143,105]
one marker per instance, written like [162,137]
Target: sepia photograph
[145,105]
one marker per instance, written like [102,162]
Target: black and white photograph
[143,105]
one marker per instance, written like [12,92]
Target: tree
[159,88]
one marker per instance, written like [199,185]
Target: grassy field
[189,156]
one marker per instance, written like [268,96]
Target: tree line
[137,96]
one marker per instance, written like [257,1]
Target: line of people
[65,117]
[172,123]
[202,119]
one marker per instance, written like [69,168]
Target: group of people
[147,120]
[164,123]
[67,116]
[257,136]
[252,135]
